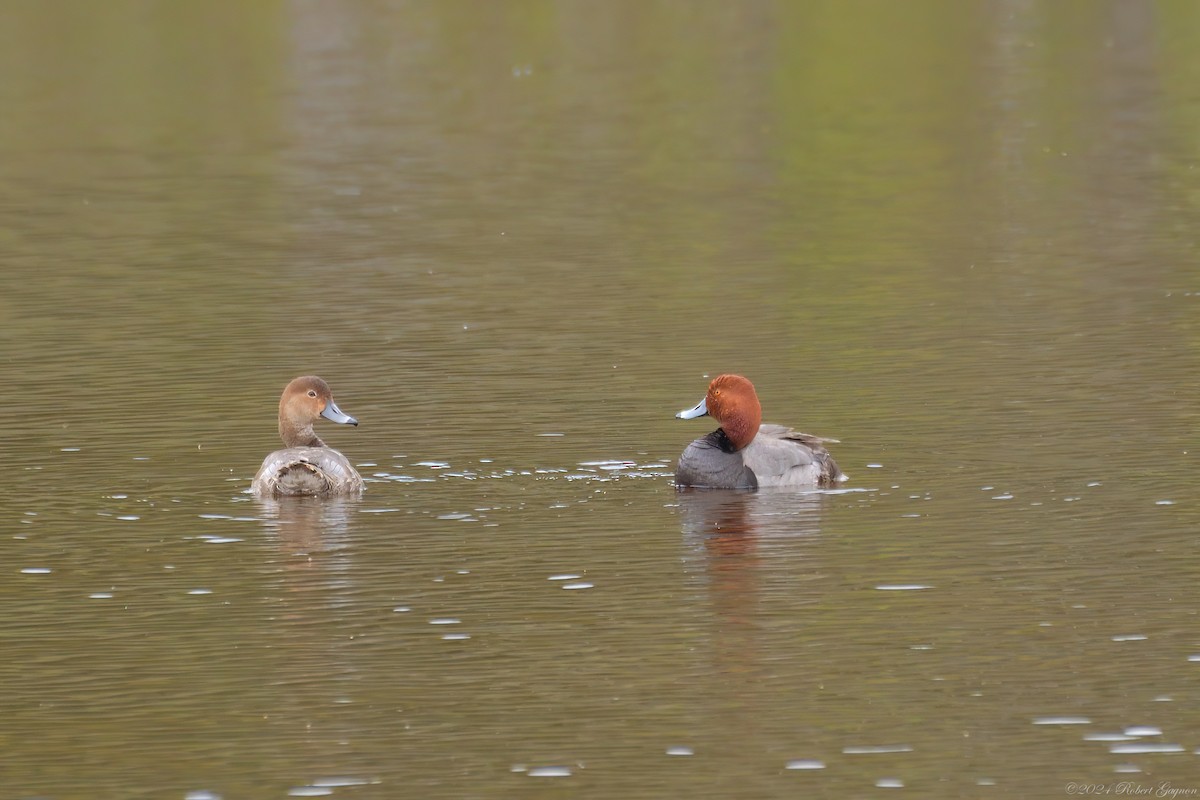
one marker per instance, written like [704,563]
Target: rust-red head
[733,403]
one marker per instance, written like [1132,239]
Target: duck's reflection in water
[727,522]
[309,526]
[744,544]
[311,590]
[754,558]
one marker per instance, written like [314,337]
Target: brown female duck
[307,466]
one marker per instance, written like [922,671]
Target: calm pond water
[516,238]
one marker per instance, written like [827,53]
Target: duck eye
[312,393]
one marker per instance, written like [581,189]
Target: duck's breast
[306,471]
[780,456]
[708,463]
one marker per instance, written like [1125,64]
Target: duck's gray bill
[691,413]
[334,413]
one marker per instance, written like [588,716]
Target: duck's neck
[295,436]
[741,429]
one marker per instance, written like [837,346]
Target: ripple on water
[310,791]
[339,781]
[549,772]
[1143,748]
[1143,730]
[401,478]
[902,587]
[1064,720]
[609,464]
[871,749]
[805,763]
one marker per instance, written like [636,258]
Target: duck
[306,466]
[745,453]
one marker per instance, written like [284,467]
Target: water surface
[516,238]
